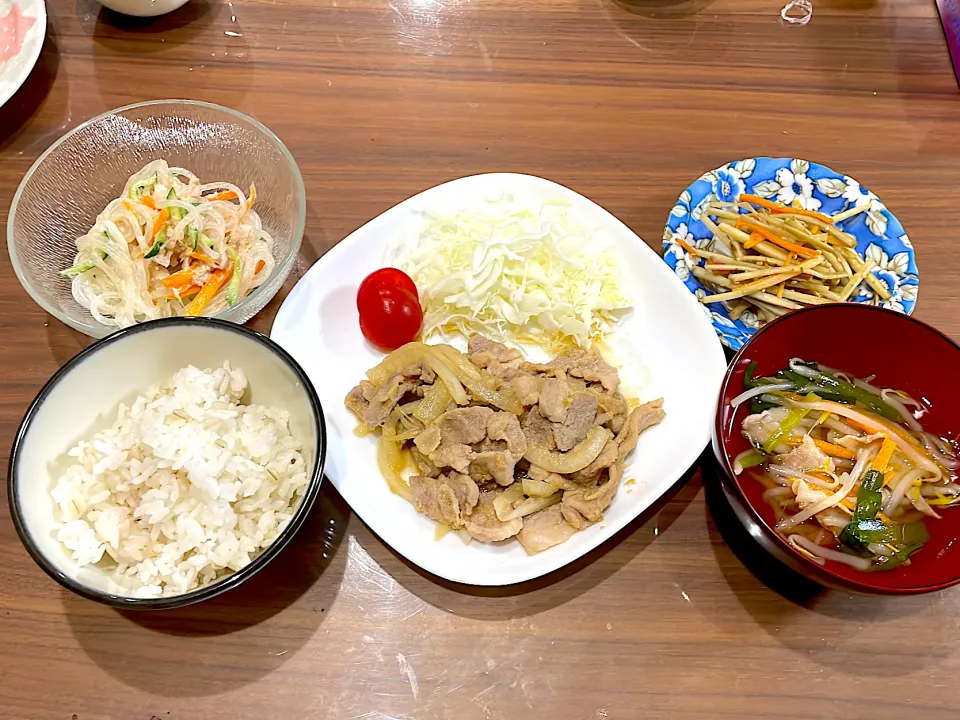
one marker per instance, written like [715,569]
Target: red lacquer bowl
[903,353]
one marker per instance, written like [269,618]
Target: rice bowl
[185,486]
[192,486]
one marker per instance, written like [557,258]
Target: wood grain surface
[627,102]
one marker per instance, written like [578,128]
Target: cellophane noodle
[209,227]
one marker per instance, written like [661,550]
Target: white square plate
[665,348]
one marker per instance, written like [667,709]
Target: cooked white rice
[186,486]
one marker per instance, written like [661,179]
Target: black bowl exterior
[228,582]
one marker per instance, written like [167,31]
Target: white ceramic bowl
[665,348]
[143,8]
[82,398]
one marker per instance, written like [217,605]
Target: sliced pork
[489,453]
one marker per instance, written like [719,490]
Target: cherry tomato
[387,277]
[389,317]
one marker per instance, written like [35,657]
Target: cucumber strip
[233,289]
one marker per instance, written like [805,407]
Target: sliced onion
[530,506]
[564,463]
[753,392]
[538,488]
[505,503]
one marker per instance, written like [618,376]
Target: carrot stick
[185,292]
[148,201]
[178,279]
[158,224]
[882,459]
[199,256]
[858,425]
[780,208]
[755,239]
[785,244]
[680,242]
[226,195]
[207,292]
[835,450]
[260,264]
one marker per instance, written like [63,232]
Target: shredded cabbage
[514,272]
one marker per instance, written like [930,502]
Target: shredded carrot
[158,224]
[129,206]
[253,196]
[882,459]
[178,279]
[755,239]
[763,282]
[785,244]
[226,195]
[185,292]
[780,288]
[207,292]
[148,201]
[681,243]
[858,425]
[835,450]
[199,256]
[260,264]
[780,208]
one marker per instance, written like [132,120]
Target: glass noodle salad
[170,245]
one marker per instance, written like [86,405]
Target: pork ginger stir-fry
[170,245]
[502,447]
[849,470]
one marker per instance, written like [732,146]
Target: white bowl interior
[84,400]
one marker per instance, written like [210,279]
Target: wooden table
[625,102]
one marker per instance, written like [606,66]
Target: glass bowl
[70,184]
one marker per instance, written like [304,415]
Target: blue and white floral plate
[879,234]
